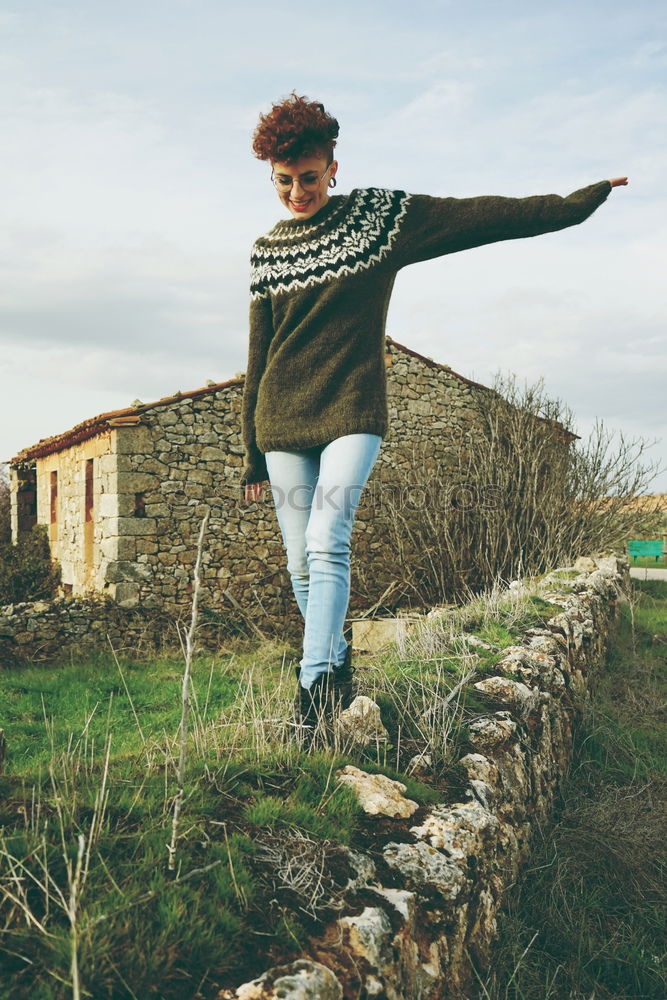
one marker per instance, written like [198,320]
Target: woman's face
[302,186]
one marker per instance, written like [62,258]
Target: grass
[93,754]
[650,561]
[139,927]
[42,708]
[261,852]
[589,919]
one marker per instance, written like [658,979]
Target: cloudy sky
[130,197]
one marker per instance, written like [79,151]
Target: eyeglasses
[308,181]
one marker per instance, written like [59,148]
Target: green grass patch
[589,918]
[650,562]
[497,633]
[141,933]
[47,711]
[508,620]
[315,803]
[217,924]
[542,610]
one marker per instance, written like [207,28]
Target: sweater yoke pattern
[358,234]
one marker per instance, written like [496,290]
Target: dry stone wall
[420,912]
[33,631]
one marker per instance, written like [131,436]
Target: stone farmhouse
[123,494]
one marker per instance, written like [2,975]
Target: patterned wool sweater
[319,295]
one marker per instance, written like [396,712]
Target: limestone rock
[607,564]
[377,794]
[301,980]
[401,900]
[374,634]
[542,641]
[420,764]
[491,732]
[536,665]
[483,793]
[481,768]
[561,598]
[572,630]
[361,723]
[423,868]
[463,830]
[604,583]
[127,595]
[514,694]
[362,865]
[585,564]
[368,935]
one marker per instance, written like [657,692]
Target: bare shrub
[515,494]
[185,699]
[296,866]
[27,572]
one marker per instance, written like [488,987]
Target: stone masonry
[420,912]
[123,495]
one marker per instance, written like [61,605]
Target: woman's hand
[618,181]
[253,491]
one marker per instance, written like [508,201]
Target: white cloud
[135,197]
[442,97]
[650,54]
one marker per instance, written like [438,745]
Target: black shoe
[310,701]
[343,681]
[314,706]
[328,694]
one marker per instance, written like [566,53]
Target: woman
[314,402]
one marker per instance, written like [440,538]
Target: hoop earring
[332,182]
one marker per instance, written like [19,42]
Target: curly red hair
[294,128]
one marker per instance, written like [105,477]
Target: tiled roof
[96,425]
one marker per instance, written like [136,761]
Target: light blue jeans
[316,493]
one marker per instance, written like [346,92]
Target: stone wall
[33,631]
[43,631]
[185,459]
[420,911]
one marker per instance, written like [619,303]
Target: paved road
[648,573]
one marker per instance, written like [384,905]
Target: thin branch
[185,698]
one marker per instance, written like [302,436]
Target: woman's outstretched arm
[432,227]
